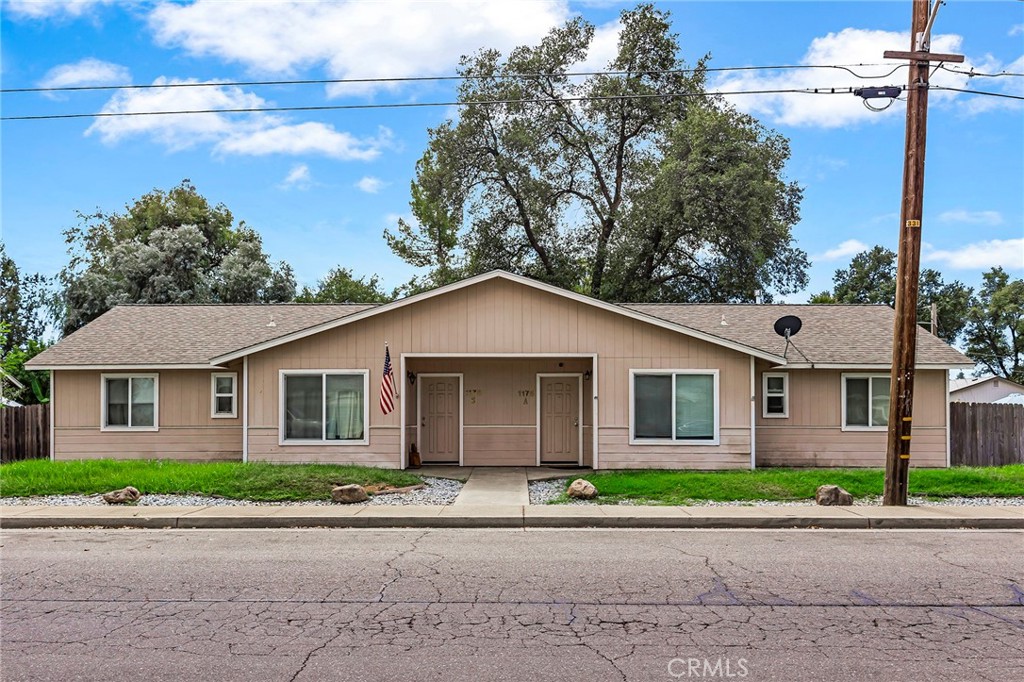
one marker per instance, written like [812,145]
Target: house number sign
[472,394]
[526,395]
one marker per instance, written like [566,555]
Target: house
[984,390]
[496,369]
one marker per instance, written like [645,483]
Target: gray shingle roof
[831,334]
[183,334]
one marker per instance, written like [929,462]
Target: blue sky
[321,186]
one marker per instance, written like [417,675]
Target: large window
[865,401]
[674,406]
[129,401]
[324,406]
[775,394]
[224,394]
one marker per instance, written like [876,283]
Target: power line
[409,105]
[972,73]
[414,79]
[978,92]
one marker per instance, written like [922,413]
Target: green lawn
[256,481]
[686,487]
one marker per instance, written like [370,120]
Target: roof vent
[271,323]
[723,323]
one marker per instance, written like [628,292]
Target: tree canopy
[166,247]
[995,326]
[23,305]
[871,278]
[630,184]
[340,286]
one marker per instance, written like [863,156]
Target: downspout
[753,417]
[949,452]
[52,430]
[245,409]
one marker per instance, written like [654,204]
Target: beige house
[494,370]
[984,390]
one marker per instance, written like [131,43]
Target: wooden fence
[985,434]
[24,432]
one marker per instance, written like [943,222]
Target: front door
[439,418]
[560,419]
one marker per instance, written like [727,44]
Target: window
[865,401]
[224,394]
[324,406]
[129,401]
[775,395]
[675,406]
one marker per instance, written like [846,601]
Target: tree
[167,247]
[995,326]
[23,305]
[871,278]
[597,184]
[36,384]
[339,286]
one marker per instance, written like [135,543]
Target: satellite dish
[788,326]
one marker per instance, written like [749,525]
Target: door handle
[423,422]
[576,421]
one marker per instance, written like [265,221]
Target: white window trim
[633,373]
[133,375]
[214,414]
[283,373]
[785,395]
[842,405]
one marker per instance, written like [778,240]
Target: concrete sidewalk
[514,516]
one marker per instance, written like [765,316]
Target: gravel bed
[542,492]
[438,491]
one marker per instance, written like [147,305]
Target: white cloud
[253,134]
[370,185]
[973,217]
[848,248]
[850,46]
[298,177]
[52,9]
[86,72]
[1016,30]
[1007,253]
[356,39]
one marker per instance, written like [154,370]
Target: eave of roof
[500,274]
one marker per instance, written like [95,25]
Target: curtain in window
[857,401]
[344,407]
[143,398]
[117,402]
[879,401]
[652,406]
[695,406]
[303,405]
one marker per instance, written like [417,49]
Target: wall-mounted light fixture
[586,375]
[411,376]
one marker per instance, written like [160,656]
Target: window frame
[214,414]
[870,376]
[716,400]
[283,375]
[785,395]
[104,377]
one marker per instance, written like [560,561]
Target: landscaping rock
[582,489]
[832,495]
[122,496]
[349,494]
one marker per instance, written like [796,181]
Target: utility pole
[904,341]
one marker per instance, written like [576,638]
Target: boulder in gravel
[581,489]
[122,496]
[832,495]
[349,494]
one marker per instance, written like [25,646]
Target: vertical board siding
[186,428]
[499,316]
[984,434]
[812,434]
[24,433]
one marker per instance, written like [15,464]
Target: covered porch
[498,410]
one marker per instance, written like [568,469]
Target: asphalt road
[511,605]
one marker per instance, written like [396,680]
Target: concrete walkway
[490,515]
[495,486]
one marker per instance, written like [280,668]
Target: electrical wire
[414,79]
[972,73]
[409,105]
[978,92]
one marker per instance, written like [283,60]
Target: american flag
[387,385]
